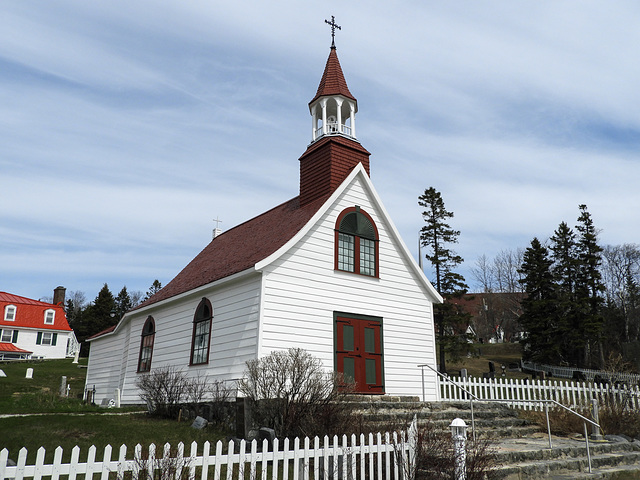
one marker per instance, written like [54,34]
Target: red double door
[359,352]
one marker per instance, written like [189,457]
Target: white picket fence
[588,375]
[381,456]
[525,394]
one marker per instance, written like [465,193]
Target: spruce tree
[564,270]
[123,303]
[540,316]
[589,286]
[436,235]
[155,287]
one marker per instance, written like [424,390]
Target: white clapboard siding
[233,338]
[303,290]
[382,456]
[527,394]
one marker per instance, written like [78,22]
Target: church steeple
[334,150]
[333,109]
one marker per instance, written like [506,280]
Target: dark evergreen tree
[540,316]
[589,286]
[436,236]
[155,287]
[101,314]
[564,270]
[123,303]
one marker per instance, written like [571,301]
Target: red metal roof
[10,347]
[241,247]
[30,313]
[333,82]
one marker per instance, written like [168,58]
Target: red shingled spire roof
[333,82]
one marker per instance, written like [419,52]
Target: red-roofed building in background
[325,271]
[34,329]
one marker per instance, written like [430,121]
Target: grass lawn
[482,354]
[53,421]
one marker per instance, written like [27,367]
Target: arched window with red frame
[201,333]
[356,243]
[146,345]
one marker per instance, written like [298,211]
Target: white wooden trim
[357,171]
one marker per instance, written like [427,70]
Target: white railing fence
[584,373]
[527,394]
[381,456]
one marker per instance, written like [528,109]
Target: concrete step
[531,459]
[492,420]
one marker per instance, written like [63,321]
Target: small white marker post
[459,434]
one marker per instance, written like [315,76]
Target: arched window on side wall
[201,333]
[146,345]
[356,240]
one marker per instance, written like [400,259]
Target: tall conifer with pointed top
[589,286]
[540,316]
[436,236]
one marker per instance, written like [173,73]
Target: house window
[8,336]
[49,315]
[46,338]
[9,313]
[146,345]
[201,333]
[356,243]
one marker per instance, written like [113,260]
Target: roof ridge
[26,300]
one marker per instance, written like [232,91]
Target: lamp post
[459,434]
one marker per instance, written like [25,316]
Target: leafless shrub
[291,392]
[435,456]
[170,464]
[164,390]
[196,388]
[221,408]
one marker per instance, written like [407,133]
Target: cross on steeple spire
[334,25]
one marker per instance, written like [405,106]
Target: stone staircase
[492,420]
[522,450]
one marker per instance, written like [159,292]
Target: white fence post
[381,456]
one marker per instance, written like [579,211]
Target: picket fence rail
[381,456]
[526,394]
[587,374]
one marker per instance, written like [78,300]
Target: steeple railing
[334,129]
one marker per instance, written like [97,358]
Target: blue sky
[127,127]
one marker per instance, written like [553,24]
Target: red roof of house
[241,247]
[10,347]
[332,81]
[30,313]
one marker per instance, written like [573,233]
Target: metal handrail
[546,409]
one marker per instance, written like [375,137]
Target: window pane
[347,338]
[349,369]
[346,252]
[6,335]
[370,371]
[367,257]
[369,340]
[201,342]
[46,338]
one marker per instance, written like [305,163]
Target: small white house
[34,329]
[326,271]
